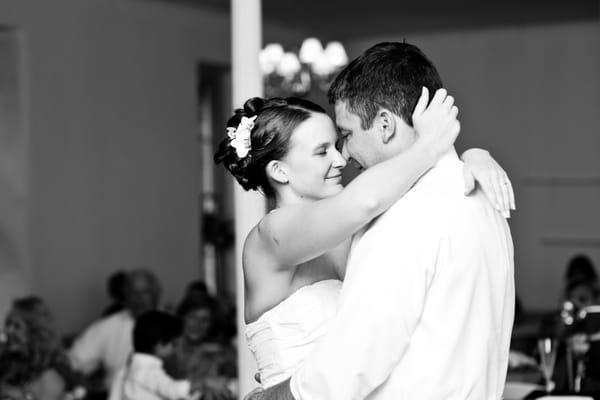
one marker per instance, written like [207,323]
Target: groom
[426,308]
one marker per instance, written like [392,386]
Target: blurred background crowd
[39,362]
[561,348]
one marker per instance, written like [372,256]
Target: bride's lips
[335,176]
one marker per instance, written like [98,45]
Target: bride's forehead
[315,129]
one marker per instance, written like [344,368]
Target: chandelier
[290,74]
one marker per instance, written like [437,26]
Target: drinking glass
[547,350]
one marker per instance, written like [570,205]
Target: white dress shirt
[107,343]
[144,378]
[427,305]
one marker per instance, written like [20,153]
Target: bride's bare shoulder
[262,236]
[259,233]
[257,255]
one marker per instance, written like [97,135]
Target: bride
[294,259]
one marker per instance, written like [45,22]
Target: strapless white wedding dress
[283,337]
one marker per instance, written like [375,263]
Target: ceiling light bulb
[310,50]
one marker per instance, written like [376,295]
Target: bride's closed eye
[324,149]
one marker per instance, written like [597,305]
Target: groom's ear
[276,170]
[387,125]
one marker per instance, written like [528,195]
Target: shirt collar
[447,162]
[448,158]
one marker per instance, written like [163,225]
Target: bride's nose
[339,161]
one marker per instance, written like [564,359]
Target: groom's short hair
[388,75]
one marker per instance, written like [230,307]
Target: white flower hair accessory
[240,136]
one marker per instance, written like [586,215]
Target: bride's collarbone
[273,288]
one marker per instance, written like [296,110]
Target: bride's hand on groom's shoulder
[481,168]
[436,124]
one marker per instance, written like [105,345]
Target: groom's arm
[381,305]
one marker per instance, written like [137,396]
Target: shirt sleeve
[116,388]
[85,354]
[381,303]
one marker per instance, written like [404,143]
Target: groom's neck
[394,148]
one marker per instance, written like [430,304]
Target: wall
[15,274]
[531,96]
[110,126]
[113,157]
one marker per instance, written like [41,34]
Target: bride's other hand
[480,167]
[436,125]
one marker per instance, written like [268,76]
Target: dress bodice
[283,337]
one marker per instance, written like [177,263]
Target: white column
[246,36]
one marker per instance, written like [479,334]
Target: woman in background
[198,356]
[33,364]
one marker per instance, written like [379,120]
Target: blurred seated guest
[198,356]
[116,291]
[584,340]
[578,357]
[196,290]
[581,293]
[580,290]
[581,282]
[143,377]
[107,342]
[32,363]
[224,327]
[581,268]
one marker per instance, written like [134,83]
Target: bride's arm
[480,169]
[295,234]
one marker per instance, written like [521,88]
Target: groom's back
[459,347]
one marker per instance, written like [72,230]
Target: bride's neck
[289,198]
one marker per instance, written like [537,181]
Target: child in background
[144,378]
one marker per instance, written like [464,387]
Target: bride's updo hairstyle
[276,120]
